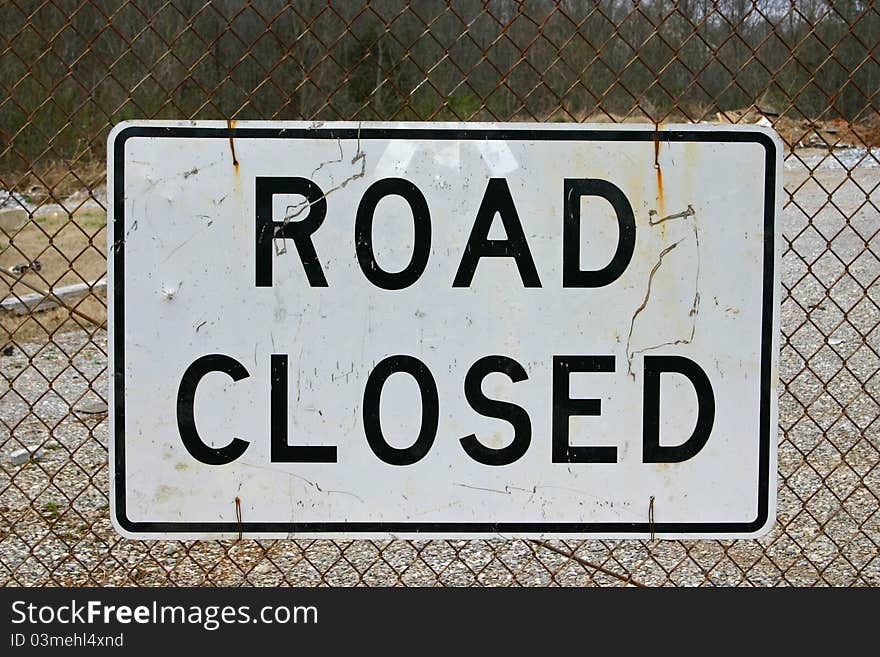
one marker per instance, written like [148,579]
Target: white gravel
[842,158]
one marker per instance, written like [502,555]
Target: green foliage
[463,105]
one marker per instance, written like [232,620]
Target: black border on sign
[452,133]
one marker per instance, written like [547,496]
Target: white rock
[21,456]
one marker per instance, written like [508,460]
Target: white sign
[374,330]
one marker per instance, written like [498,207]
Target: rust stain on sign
[660,202]
[240,225]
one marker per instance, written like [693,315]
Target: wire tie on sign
[651,516]
[230,125]
[656,145]
[238,515]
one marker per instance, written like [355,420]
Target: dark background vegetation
[69,70]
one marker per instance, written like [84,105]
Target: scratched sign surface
[378,330]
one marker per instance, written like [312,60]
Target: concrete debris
[809,133]
[22,456]
[91,408]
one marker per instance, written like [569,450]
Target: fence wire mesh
[71,69]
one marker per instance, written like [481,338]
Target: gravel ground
[54,526]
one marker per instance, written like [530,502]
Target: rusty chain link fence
[71,69]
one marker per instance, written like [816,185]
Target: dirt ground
[70,248]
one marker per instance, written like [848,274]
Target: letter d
[653,452]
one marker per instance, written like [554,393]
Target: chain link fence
[71,69]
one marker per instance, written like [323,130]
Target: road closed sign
[443,330]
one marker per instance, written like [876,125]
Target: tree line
[70,70]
